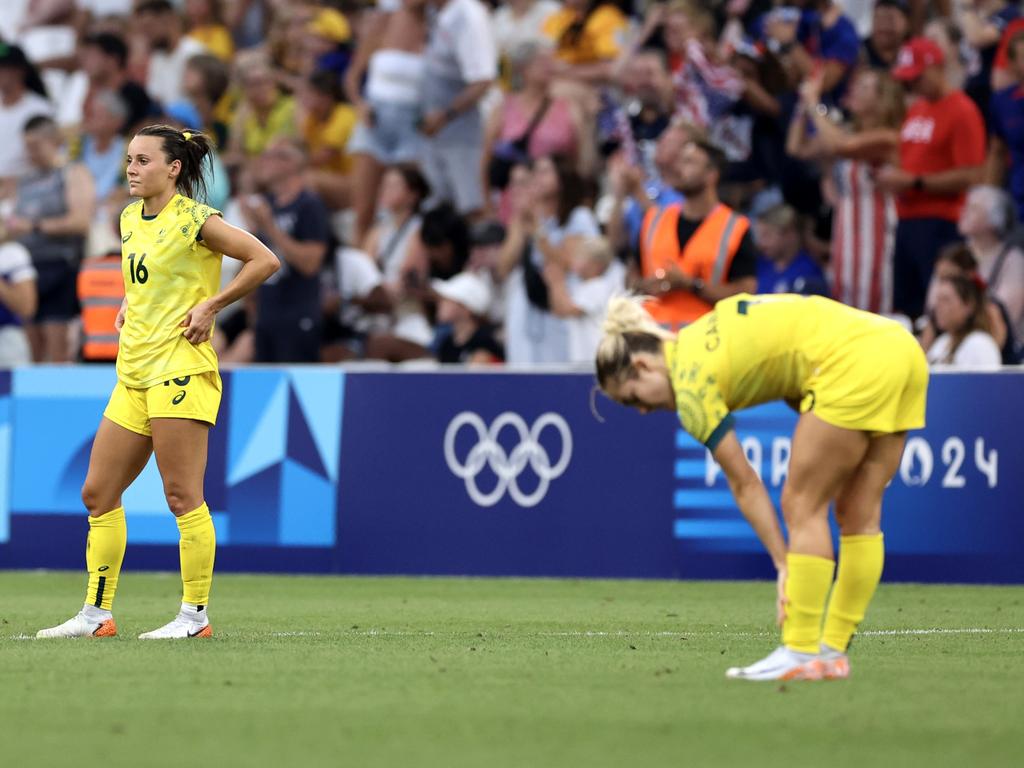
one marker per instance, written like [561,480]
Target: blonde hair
[783,217]
[598,249]
[628,329]
[890,103]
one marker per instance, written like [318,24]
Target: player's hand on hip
[119,320]
[198,323]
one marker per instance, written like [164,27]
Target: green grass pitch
[323,671]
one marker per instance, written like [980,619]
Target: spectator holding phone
[864,214]
[551,218]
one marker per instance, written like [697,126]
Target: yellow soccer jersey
[167,271]
[601,39]
[852,368]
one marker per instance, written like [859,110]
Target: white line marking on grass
[676,633]
[870,632]
[938,631]
[623,633]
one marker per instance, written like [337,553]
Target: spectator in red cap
[942,153]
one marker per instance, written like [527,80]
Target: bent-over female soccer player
[168,386]
[859,382]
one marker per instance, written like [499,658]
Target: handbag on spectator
[536,287]
[510,153]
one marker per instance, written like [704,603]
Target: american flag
[704,90]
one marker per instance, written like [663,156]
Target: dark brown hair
[414,180]
[192,149]
[716,157]
[573,189]
[960,256]
[971,291]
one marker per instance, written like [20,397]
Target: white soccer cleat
[182,628]
[780,664]
[81,626]
[835,665]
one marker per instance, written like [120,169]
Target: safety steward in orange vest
[100,292]
[697,252]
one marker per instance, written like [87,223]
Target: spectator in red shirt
[942,153]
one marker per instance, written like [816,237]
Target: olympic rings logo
[507,466]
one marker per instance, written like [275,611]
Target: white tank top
[395,77]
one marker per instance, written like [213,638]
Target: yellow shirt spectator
[256,134]
[216,39]
[327,139]
[599,38]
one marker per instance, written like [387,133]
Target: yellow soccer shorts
[188,397]
[879,385]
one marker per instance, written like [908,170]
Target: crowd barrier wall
[323,470]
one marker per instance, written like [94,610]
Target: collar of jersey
[156,215]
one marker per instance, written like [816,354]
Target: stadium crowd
[472,182]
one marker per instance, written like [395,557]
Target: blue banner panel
[952,513]
[272,464]
[494,473]
[5,456]
[497,474]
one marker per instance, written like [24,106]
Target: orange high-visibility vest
[707,255]
[100,292]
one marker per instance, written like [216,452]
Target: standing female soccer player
[168,389]
[859,382]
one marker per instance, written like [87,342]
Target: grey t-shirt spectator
[460,51]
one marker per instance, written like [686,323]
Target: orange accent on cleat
[836,669]
[106,629]
[206,631]
[812,670]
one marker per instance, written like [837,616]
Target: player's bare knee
[95,501]
[797,507]
[180,500]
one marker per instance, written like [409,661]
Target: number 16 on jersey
[138,271]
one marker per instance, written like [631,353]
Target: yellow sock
[104,553]
[197,547]
[807,584]
[860,570]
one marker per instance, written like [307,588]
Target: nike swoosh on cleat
[198,632]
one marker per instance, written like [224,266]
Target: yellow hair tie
[187,135]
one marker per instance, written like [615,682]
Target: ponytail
[628,329]
[192,149]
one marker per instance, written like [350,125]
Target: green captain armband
[727,424]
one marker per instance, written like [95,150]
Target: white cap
[468,289]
